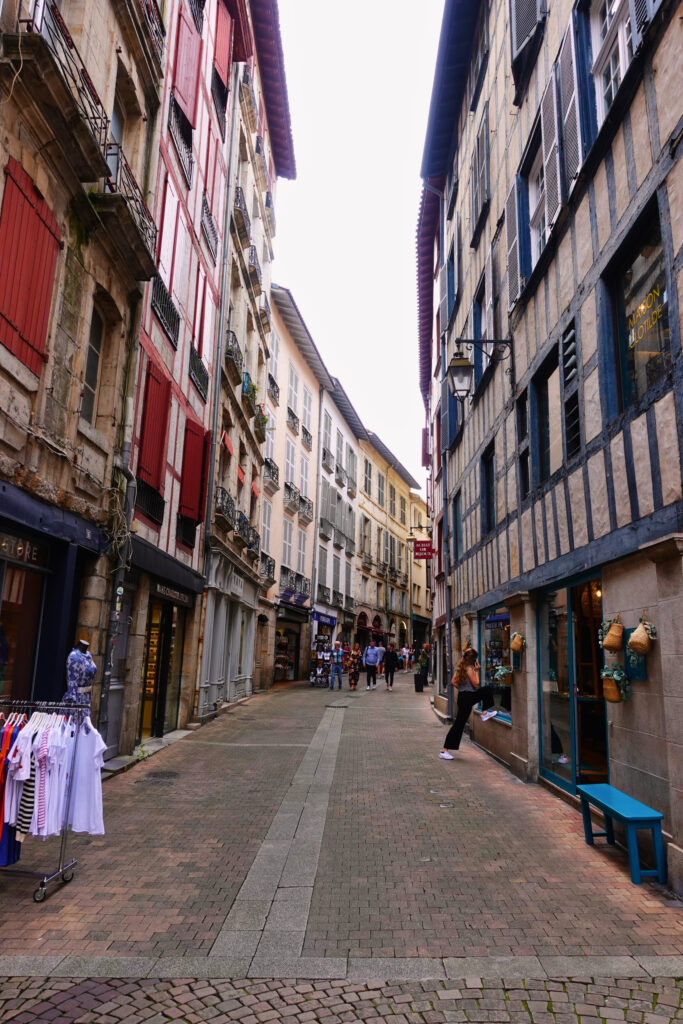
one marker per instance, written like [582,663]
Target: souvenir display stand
[320,661]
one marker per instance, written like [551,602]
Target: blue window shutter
[453,424]
[445,407]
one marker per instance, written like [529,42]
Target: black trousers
[371,672]
[466,701]
[389,676]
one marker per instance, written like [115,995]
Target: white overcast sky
[359,78]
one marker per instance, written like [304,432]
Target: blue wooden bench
[634,815]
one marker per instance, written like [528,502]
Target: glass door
[162,669]
[591,721]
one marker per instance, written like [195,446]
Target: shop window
[367,477]
[494,642]
[522,418]
[640,311]
[547,420]
[488,490]
[380,489]
[479,178]
[457,527]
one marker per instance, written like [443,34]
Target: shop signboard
[159,589]
[423,549]
[325,620]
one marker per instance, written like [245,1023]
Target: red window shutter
[29,243]
[223,54]
[186,72]
[152,457]
[193,470]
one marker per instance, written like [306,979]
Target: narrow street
[316,840]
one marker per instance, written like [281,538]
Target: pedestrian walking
[336,662]
[412,656]
[355,663]
[382,651]
[391,663]
[405,657]
[466,680]
[371,660]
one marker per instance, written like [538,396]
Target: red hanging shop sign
[423,549]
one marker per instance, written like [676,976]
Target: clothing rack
[65,869]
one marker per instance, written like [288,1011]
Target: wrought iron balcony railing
[350,545]
[261,424]
[291,497]
[271,476]
[339,538]
[136,232]
[340,474]
[254,542]
[381,569]
[366,559]
[242,529]
[241,216]
[292,420]
[209,229]
[155,26]
[270,213]
[306,438]
[199,375]
[225,507]
[326,529]
[328,460]
[249,393]
[233,357]
[181,132]
[324,594]
[165,310]
[305,509]
[267,569]
[287,578]
[273,389]
[337,599]
[254,267]
[403,579]
[303,585]
[393,574]
[149,502]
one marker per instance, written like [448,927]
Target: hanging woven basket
[517,643]
[640,640]
[611,691]
[614,635]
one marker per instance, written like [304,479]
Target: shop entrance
[573,741]
[162,668]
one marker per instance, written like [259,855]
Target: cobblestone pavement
[598,1001]
[269,844]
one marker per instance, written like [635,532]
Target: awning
[157,563]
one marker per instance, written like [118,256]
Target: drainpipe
[318,490]
[219,334]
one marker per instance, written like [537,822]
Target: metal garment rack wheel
[65,869]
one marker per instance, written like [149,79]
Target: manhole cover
[445,805]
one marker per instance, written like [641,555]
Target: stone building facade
[551,220]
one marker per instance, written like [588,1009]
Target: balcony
[241,217]
[149,502]
[165,311]
[326,529]
[287,579]
[292,420]
[393,574]
[248,99]
[291,497]
[242,529]
[126,217]
[146,35]
[366,560]
[306,438]
[199,375]
[340,474]
[381,569]
[305,510]
[254,543]
[260,424]
[225,508]
[324,595]
[350,546]
[337,599]
[233,358]
[349,603]
[209,229]
[219,94]
[264,313]
[273,389]
[57,82]
[181,132]
[248,394]
[261,163]
[270,213]
[303,585]
[351,487]
[267,569]
[254,268]
[338,539]
[328,460]
[403,579]
[271,477]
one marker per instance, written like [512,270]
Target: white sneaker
[563,759]
[488,714]
[367,687]
[374,686]
[446,756]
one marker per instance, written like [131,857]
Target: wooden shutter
[550,142]
[474,184]
[569,106]
[512,244]
[152,456]
[186,72]
[456,257]
[29,242]
[190,501]
[224,33]
[445,409]
[208,325]
[489,297]
[167,233]
[524,17]
[483,147]
[641,13]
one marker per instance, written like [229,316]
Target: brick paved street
[421,890]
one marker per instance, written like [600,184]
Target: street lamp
[460,371]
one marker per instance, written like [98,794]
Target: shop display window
[495,657]
[21,598]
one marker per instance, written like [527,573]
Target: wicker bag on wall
[614,635]
[516,642]
[610,690]
[639,640]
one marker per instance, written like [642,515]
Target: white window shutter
[168,233]
[456,256]
[483,146]
[551,152]
[512,245]
[569,106]
[474,185]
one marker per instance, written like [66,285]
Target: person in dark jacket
[391,663]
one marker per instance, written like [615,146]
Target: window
[274,346]
[303,475]
[536,184]
[293,389]
[364,589]
[392,500]
[350,462]
[612,45]
[327,431]
[347,578]
[367,481]
[479,177]
[457,527]
[266,520]
[403,603]
[270,435]
[400,556]
[92,368]
[365,535]
[379,595]
[402,514]
[301,553]
[339,455]
[290,462]
[488,490]
[379,545]
[522,416]
[392,599]
[380,489]
[287,533]
[480,53]
[336,571]
[494,645]
[641,314]
[322,566]
[392,550]
[307,410]
[386,546]
[547,420]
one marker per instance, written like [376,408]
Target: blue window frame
[457,527]
[494,654]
